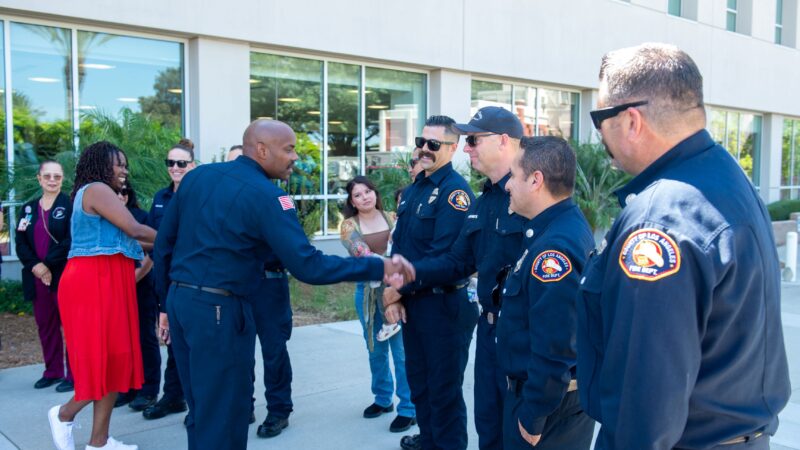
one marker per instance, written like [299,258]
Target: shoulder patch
[551,265]
[649,254]
[459,200]
[286,202]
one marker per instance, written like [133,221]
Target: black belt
[438,290]
[515,385]
[211,290]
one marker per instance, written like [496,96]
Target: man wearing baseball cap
[490,238]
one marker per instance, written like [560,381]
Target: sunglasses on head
[433,144]
[413,162]
[599,115]
[472,139]
[181,164]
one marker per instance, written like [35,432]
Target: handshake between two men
[398,271]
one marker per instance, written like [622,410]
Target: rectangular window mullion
[76,118]
[325,145]
[362,111]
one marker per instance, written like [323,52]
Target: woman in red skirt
[97,297]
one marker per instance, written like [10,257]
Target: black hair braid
[96,163]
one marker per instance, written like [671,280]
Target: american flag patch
[286,202]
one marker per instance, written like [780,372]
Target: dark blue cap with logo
[492,119]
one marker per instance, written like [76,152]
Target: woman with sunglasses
[179,162]
[43,241]
[365,231]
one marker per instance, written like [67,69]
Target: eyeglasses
[181,164]
[52,176]
[413,162]
[472,139]
[599,115]
[433,144]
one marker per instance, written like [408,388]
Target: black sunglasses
[497,290]
[599,115]
[472,139]
[171,163]
[433,144]
[413,162]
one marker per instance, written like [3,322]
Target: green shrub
[595,184]
[11,299]
[781,209]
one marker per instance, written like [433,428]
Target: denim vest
[93,235]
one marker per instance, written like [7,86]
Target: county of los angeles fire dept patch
[551,265]
[649,254]
[459,200]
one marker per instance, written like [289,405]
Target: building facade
[356,78]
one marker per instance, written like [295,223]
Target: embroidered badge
[59,212]
[286,202]
[649,255]
[459,200]
[551,265]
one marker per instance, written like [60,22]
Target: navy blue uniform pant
[173,391]
[272,312]
[435,364]
[213,338]
[151,353]
[490,387]
[567,428]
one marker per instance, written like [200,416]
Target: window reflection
[740,134]
[290,90]
[42,99]
[395,114]
[525,108]
[344,94]
[489,93]
[143,75]
[5,241]
[557,114]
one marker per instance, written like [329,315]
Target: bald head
[271,144]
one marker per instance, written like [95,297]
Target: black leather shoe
[123,399]
[163,408]
[45,382]
[65,386]
[142,402]
[252,418]
[402,423]
[375,410]
[411,442]
[272,426]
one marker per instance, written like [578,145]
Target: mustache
[430,155]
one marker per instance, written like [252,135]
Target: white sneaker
[61,431]
[387,331]
[113,444]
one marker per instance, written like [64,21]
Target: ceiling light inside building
[127,99]
[314,113]
[87,107]
[44,79]
[289,99]
[334,122]
[252,81]
[266,117]
[97,66]
[175,90]
[378,107]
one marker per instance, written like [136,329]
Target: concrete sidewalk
[331,389]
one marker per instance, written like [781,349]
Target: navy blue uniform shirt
[679,338]
[226,220]
[159,207]
[429,218]
[490,239]
[537,324]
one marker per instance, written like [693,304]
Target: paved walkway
[331,388]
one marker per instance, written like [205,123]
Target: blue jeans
[382,384]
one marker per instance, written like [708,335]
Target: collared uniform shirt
[537,324]
[490,239]
[226,220]
[159,206]
[679,340]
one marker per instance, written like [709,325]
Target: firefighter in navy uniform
[440,319]
[490,239]
[219,229]
[680,342]
[537,324]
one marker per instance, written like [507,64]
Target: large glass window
[542,111]
[779,21]
[143,75]
[730,15]
[360,113]
[790,160]
[674,7]
[41,74]
[740,134]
